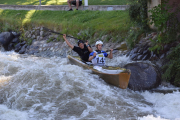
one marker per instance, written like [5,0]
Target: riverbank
[91,24]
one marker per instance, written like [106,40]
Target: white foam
[118,61]
[166,105]
[51,88]
[151,117]
[8,114]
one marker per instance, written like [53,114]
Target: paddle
[113,49]
[46,29]
[122,47]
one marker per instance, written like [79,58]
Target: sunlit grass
[28,17]
[62,2]
[100,22]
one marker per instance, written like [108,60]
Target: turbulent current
[36,88]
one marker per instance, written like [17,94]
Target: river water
[35,88]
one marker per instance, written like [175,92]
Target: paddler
[83,49]
[98,56]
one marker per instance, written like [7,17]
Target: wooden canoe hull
[120,80]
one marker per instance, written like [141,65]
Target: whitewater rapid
[36,88]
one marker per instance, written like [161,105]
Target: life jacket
[99,59]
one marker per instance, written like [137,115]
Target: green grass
[100,22]
[62,2]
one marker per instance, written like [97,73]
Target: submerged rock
[144,76]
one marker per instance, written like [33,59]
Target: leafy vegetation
[139,18]
[168,28]
[62,2]
[172,68]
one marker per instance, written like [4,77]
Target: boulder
[6,38]
[144,76]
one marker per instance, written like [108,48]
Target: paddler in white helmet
[98,56]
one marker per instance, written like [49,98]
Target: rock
[37,32]
[145,52]
[23,43]
[33,36]
[5,39]
[139,57]
[127,54]
[10,46]
[133,56]
[41,33]
[154,37]
[143,76]
[146,57]
[15,40]
[140,51]
[17,47]
[136,50]
[23,49]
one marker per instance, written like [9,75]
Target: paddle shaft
[113,49]
[59,33]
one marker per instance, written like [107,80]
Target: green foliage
[138,13]
[110,22]
[50,40]
[167,24]
[172,68]
[86,34]
[160,16]
[134,36]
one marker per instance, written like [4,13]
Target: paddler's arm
[91,57]
[88,46]
[110,55]
[68,43]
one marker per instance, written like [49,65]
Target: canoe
[112,75]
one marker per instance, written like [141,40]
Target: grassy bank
[91,23]
[62,2]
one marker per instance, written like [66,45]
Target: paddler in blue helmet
[98,56]
[83,49]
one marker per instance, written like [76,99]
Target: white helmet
[99,42]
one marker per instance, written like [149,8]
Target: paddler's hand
[86,42]
[64,36]
[111,50]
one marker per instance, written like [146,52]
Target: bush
[168,27]
[138,13]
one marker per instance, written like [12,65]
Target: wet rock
[6,38]
[17,47]
[140,51]
[15,40]
[145,52]
[10,46]
[133,56]
[143,76]
[139,57]
[128,53]
[23,49]
[135,50]
[23,43]
[146,57]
